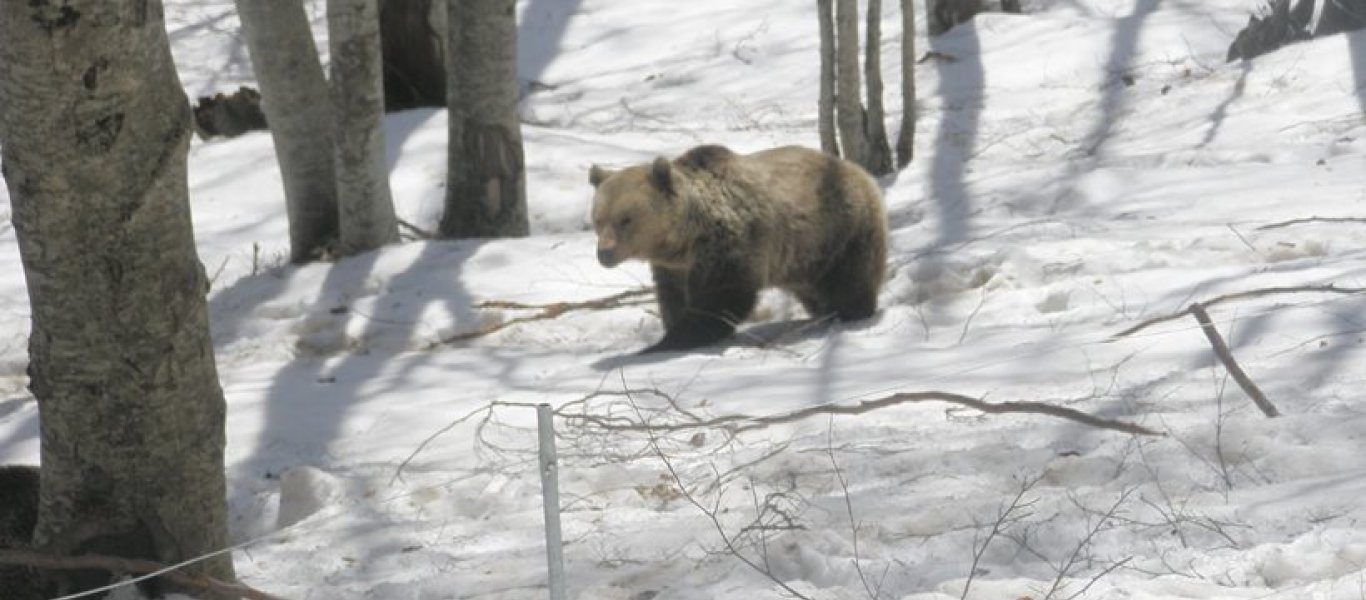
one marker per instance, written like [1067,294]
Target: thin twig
[1257,293]
[1225,356]
[1005,518]
[873,592]
[1083,546]
[113,564]
[547,311]
[710,513]
[1281,224]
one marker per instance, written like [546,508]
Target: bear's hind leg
[850,288]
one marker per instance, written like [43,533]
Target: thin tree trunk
[365,206]
[849,107]
[905,141]
[825,105]
[95,130]
[486,176]
[879,151]
[295,100]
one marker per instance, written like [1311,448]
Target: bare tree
[95,130]
[879,159]
[905,141]
[825,105]
[295,101]
[364,204]
[849,108]
[486,175]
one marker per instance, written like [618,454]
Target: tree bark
[825,104]
[905,141]
[95,130]
[414,38]
[849,106]
[365,206]
[295,100]
[486,176]
[1338,16]
[879,151]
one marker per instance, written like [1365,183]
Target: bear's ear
[661,175]
[597,175]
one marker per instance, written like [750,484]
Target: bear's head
[638,214]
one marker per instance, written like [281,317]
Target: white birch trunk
[486,172]
[95,130]
[365,208]
[298,110]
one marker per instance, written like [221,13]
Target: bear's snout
[608,258]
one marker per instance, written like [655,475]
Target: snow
[1079,169]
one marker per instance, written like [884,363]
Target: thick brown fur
[717,227]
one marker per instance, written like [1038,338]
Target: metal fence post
[550,498]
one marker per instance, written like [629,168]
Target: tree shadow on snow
[307,404]
[539,32]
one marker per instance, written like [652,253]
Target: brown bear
[717,227]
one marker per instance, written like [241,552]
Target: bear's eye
[624,222]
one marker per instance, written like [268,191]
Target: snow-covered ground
[1078,170]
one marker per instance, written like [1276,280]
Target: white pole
[550,498]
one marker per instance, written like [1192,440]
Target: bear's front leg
[703,306]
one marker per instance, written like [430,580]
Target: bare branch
[1281,224]
[115,564]
[873,591]
[1257,293]
[710,513]
[1225,356]
[547,311]
[1005,518]
[740,422]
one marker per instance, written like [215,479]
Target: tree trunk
[945,14]
[879,160]
[413,33]
[95,130]
[849,107]
[905,141]
[1338,16]
[295,101]
[825,105]
[486,176]
[364,205]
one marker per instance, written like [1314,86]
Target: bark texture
[825,104]
[364,204]
[95,128]
[849,106]
[486,176]
[879,159]
[295,101]
[905,141]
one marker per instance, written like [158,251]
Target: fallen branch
[418,232]
[1281,224]
[1225,356]
[113,564]
[748,422]
[547,311]
[1257,293]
